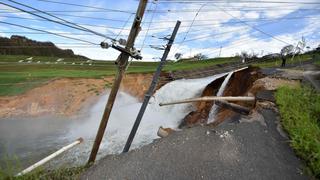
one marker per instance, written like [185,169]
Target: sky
[214,28]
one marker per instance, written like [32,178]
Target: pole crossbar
[122,63]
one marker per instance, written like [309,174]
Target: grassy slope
[300,114]
[16,78]
[277,62]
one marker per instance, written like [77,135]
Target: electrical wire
[86,6]
[75,26]
[124,25]
[239,2]
[143,42]
[48,32]
[194,18]
[253,27]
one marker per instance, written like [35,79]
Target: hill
[21,45]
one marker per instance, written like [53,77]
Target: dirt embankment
[243,83]
[67,96]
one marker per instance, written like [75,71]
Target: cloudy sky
[214,28]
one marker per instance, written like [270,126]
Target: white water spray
[214,109]
[124,114]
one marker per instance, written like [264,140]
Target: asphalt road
[240,148]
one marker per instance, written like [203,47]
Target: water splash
[214,109]
[124,114]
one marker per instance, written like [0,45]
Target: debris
[164,132]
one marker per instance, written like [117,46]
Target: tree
[200,56]
[287,50]
[318,48]
[244,55]
[178,56]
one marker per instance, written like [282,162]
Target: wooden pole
[151,89]
[234,107]
[122,63]
[48,158]
[211,98]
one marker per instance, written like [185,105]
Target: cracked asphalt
[242,147]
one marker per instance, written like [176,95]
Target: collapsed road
[239,147]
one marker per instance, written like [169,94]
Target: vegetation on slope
[18,77]
[61,173]
[300,115]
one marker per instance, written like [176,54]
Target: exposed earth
[67,96]
[237,147]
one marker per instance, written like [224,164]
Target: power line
[118,20]
[124,25]
[236,30]
[194,18]
[195,25]
[48,32]
[61,33]
[177,11]
[152,16]
[253,27]
[86,6]
[77,26]
[239,2]
[69,15]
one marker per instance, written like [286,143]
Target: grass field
[277,62]
[300,116]
[18,77]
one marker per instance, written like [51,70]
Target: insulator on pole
[104,45]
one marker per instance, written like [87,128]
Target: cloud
[215,25]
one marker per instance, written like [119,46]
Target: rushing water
[214,108]
[33,139]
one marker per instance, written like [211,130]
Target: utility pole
[122,62]
[220,51]
[151,88]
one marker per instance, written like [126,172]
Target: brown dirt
[239,85]
[200,115]
[67,96]
[244,83]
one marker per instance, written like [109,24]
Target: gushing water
[124,114]
[37,138]
[214,109]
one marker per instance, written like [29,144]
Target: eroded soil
[67,96]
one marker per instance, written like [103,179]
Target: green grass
[10,166]
[277,62]
[300,116]
[185,65]
[17,78]
[62,173]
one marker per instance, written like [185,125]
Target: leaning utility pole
[151,88]
[122,62]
